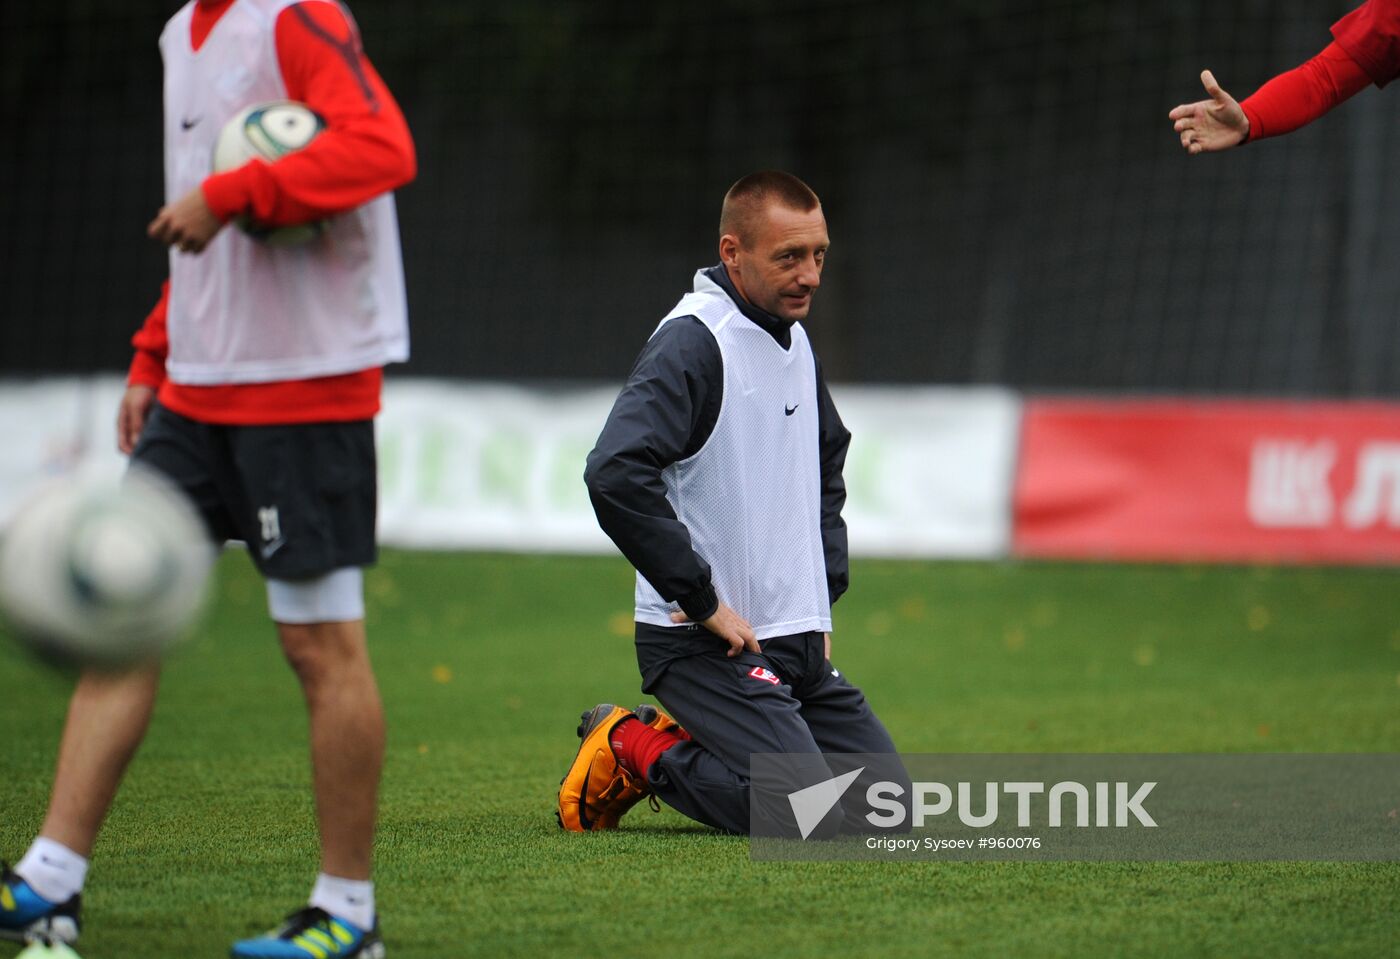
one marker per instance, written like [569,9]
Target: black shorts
[301,496]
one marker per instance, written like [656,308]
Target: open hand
[1210,125]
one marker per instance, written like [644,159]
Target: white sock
[350,899]
[53,870]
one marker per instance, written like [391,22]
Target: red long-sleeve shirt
[364,151]
[1366,50]
[1303,94]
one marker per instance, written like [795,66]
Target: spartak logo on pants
[767,675]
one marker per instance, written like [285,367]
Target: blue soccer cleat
[26,916]
[313,933]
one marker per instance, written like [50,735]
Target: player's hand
[1210,125]
[187,224]
[728,626]
[131,416]
[826,646]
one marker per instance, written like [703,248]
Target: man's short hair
[748,198]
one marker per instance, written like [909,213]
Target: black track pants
[789,699]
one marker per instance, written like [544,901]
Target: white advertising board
[466,465]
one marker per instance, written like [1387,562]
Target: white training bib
[751,496]
[242,311]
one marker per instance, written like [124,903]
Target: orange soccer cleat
[596,791]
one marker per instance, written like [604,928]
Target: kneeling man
[718,475]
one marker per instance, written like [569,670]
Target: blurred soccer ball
[104,573]
[269,131]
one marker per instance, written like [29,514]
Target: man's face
[780,267]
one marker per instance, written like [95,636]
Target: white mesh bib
[242,311]
[751,497]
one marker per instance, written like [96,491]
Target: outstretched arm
[1287,102]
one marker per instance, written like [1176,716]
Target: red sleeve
[152,344]
[1370,34]
[1303,94]
[365,150]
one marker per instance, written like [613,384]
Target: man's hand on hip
[728,626]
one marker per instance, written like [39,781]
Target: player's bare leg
[107,719]
[347,751]
[347,738]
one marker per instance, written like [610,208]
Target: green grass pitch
[486,661]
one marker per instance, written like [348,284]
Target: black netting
[1006,198]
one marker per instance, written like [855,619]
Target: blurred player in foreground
[1365,50]
[254,387]
[718,475]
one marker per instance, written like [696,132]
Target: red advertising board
[1209,480]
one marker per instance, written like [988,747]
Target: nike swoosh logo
[583,819]
[269,548]
[789,410]
[189,124]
